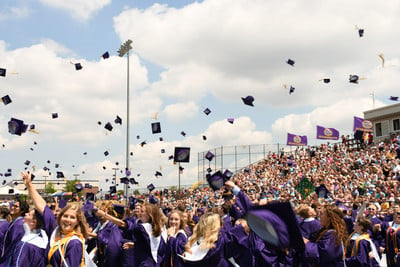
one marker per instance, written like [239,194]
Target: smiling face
[29,219]
[143,216]
[68,221]
[174,220]
[15,210]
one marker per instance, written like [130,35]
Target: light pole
[45,182]
[124,49]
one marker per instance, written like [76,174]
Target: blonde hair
[207,228]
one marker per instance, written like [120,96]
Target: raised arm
[37,199]
[118,222]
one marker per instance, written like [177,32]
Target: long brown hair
[182,223]
[82,226]
[337,224]
[155,218]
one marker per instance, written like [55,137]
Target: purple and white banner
[296,140]
[362,125]
[327,133]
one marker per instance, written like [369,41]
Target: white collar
[38,239]
[154,241]
[309,219]
[197,252]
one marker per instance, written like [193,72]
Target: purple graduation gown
[227,222]
[241,206]
[12,236]
[109,245]
[31,250]
[325,252]
[128,255]
[73,252]
[3,229]
[142,249]
[176,246]
[309,226]
[392,236]
[362,257]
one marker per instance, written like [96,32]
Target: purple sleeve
[73,255]
[50,222]
[177,244]
[236,240]
[325,250]
[243,201]
[361,259]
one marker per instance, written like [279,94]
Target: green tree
[120,192]
[136,192]
[49,188]
[70,185]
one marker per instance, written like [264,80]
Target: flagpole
[373,98]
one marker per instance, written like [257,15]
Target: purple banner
[296,140]
[327,133]
[362,125]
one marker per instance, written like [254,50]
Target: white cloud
[15,13]
[180,111]
[81,10]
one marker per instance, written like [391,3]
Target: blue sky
[186,56]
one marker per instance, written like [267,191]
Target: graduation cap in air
[60,175]
[248,100]
[88,186]
[153,199]
[6,99]
[17,127]
[161,139]
[118,120]
[276,224]
[204,138]
[326,80]
[170,157]
[106,153]
[120,209]
[78,66]
[105,55]
[183,133]
[108,126]
[162,150]
[156,127]
[207,111]
[158,174]
[209,170]
[132,202]
[182,154]
[11,191]
[143,143]
[227,174]
[3,72]
[133,181]
[291,90]
[216,181]
[62,203]
[361,32]
[290,62]
[353,78]
[230,120]
[78,187]
[27,162]
[54,115]
[124,180]
[322,191]
[90,196]
[394,98]
[209,155]
[57,165]
[113,189]
[181,168]
[150,187]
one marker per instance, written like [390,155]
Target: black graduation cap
[209,169]
[248,100]
[105,55]
[227,174]
[150,187]
[108,126]
[124,180]
[276,224]
[326,80]
[361,32]
[137,136]
[353,78]
[216,181]
[78,66]
[3,72]
[209,155]
[132,202]
[183,133]
[161,139]
[394,98]
[170,157]
[120,209]
[88,186]
[118,120]
[54,115]
[291,90]
[57,165]
[27,162]
[156,127]
[181,168]
[322,191]
[143,143]
[10,191]
[113,189]
[207,111]
[290,62]
[78,187]
[230,120]
[153,199]
[204,137]
[158,174]
[133,181]
[90,196]
[182,154]
[162,150]
[106,153]
[17,127]
[60,175]
[6,99]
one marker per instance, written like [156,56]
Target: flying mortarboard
[124,180]
[161,139]
[78,66]
[120,209]
[90,196]
[152,199]
[3,72]
[230,120]
[17,127]
[78,187]
[291,90]
[183,133]
[113,189]
[118,120]
[10,191]
[132,202]
[353,78]
[54,115]
[361,32]
[216,181]
[248,100]
[105,55]
[162,150]
[209,155]
[60,175]
[6,99]
[181,168]
[27,162]
[209,169]
[207,111]
[227,174]
[170,157]
[108,126]
[150,187]
[322,191]
[106,153]
[326,80]
[290,62]
[204,137]
[142,143]
[133,181]
[182,154]
[394,98]
[155,127]
[158,174]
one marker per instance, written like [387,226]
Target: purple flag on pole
[327,133]
[362,125]
[296,140]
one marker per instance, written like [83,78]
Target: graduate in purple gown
[67,232]
[377,236]
[326,249]
[4,213]
[150,247]
[240,206]
[14,232]
[31,250]
[308,224]
[392,231]
[177,238]
[225,217]
[359,246]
